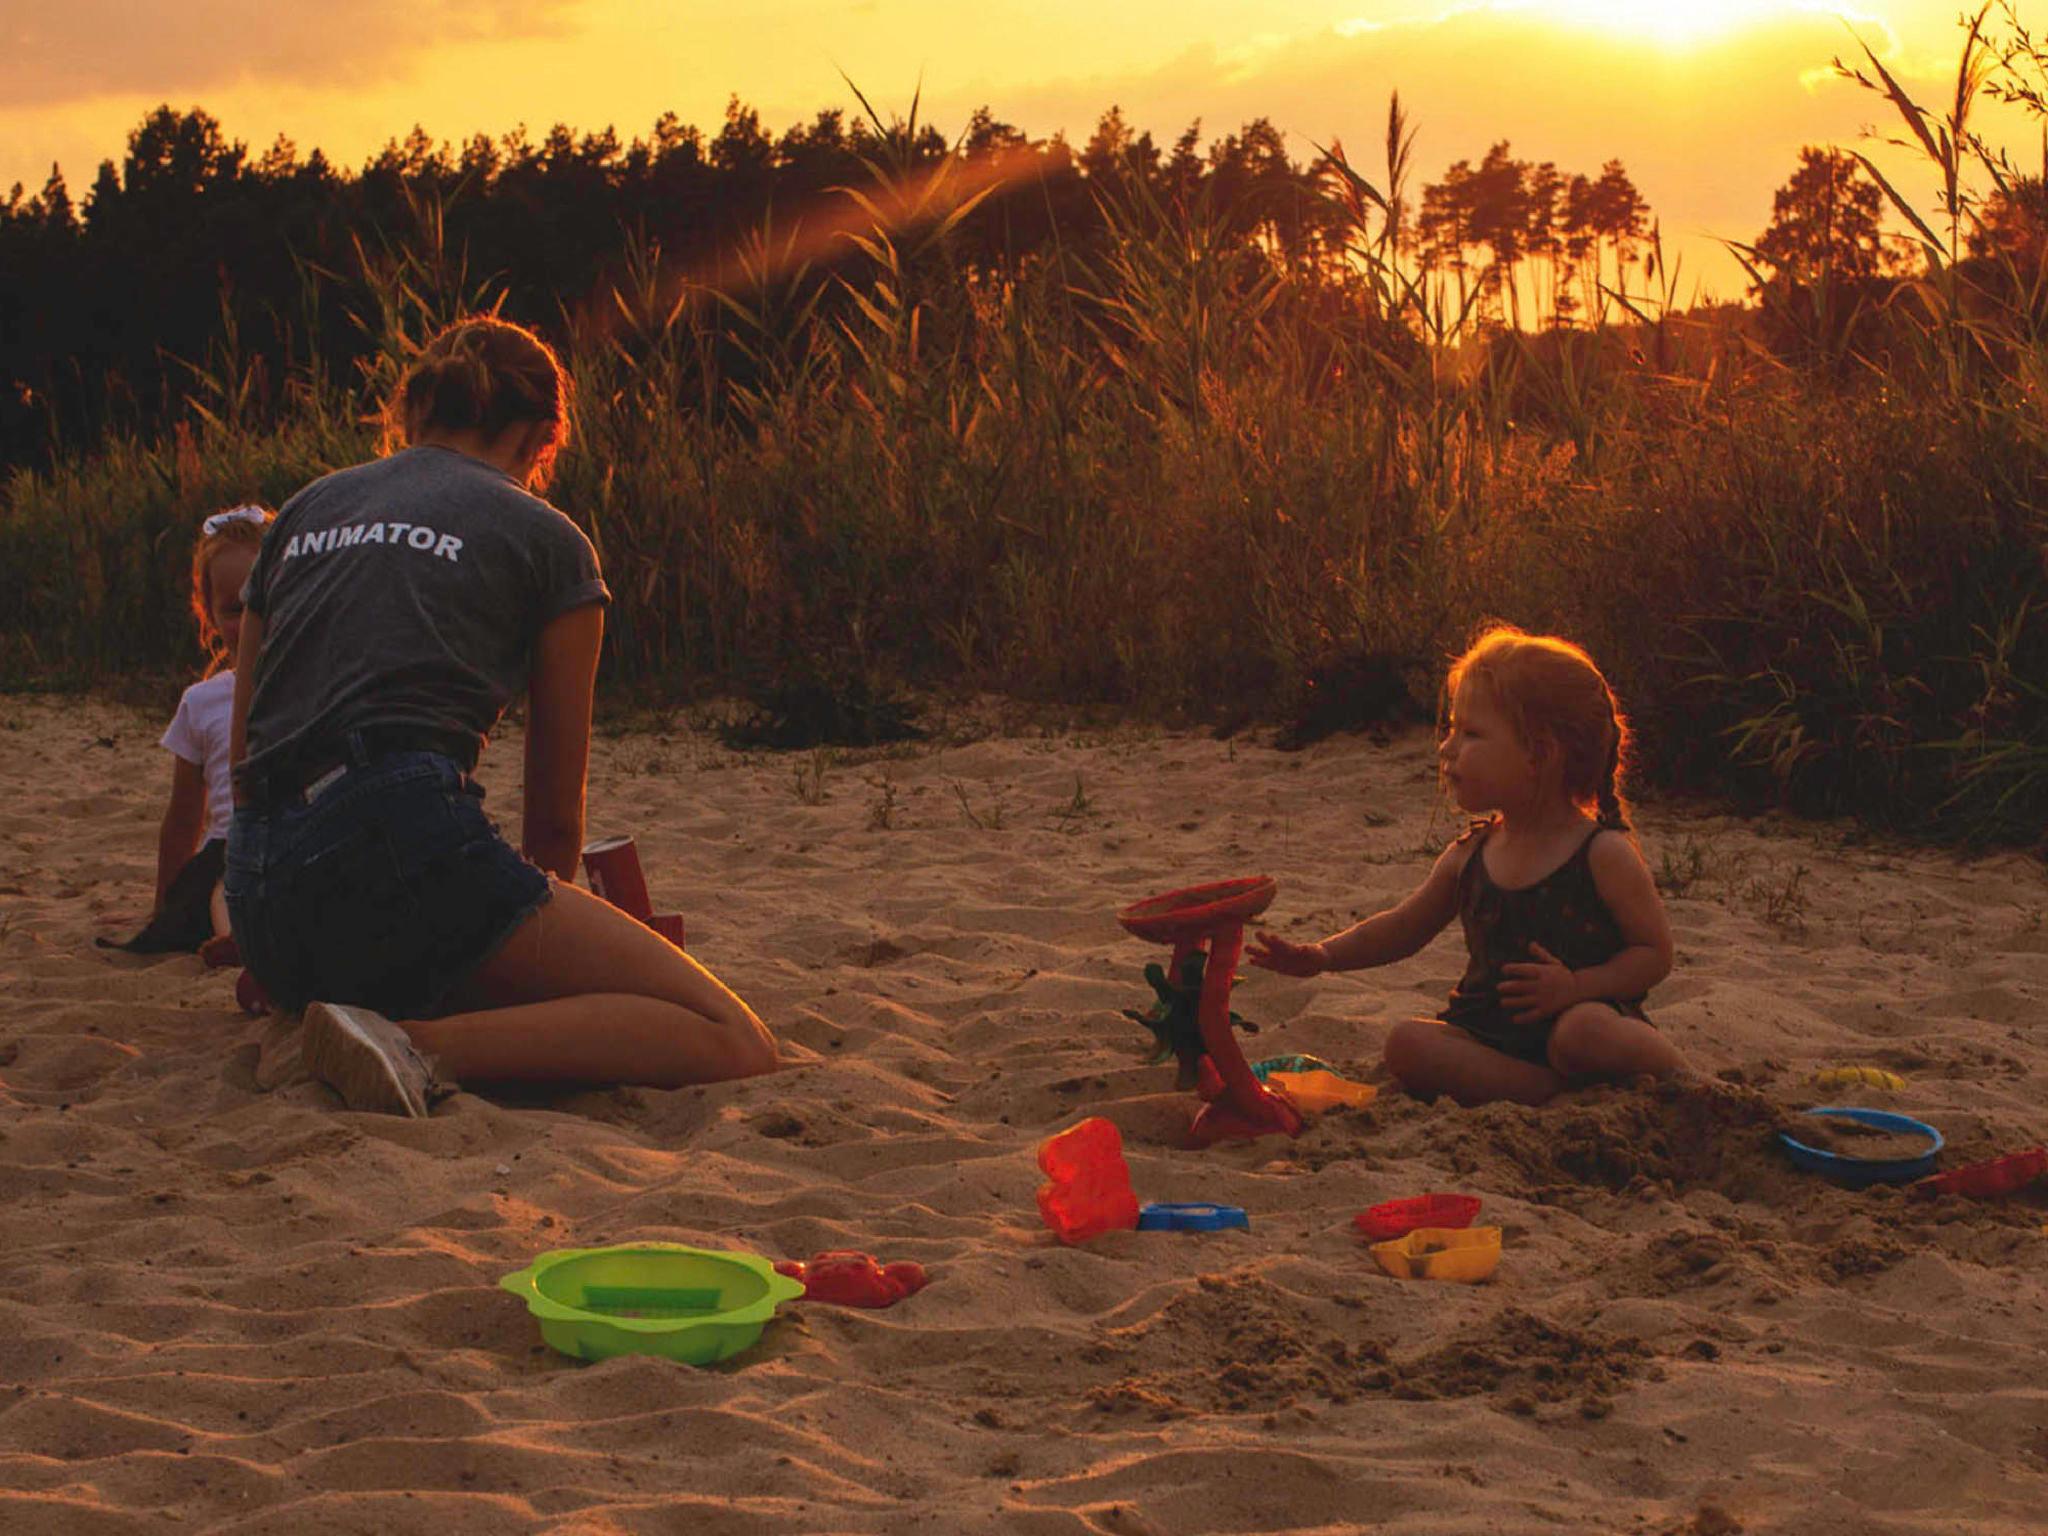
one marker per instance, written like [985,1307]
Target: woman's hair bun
[482,375]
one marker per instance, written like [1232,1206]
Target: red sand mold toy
[844,1278]
[1397,1218]
[1205,926]
[612,865]
[1090,1189]
[1983,1181]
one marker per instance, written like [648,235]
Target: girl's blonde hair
[1549,688]
[483,375]
[237,528]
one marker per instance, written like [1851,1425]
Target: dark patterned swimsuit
[1563,912]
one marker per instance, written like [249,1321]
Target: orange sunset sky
[1706,102]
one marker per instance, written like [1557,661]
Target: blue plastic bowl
[1857,1172]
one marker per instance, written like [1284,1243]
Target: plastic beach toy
[848,1279]
[612,865]
[1264,1069]
[1182,1216]
[1322,1090]
[1462,1254]
[1858,1172]
[1982,1181]
[1395,1218]
[1859,1077]
[1208,921]
[1089,1192]
[695,1305]
[250,996]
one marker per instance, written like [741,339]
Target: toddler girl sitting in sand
[190,912]
[1562,919]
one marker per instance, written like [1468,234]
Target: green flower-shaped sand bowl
[695,1305]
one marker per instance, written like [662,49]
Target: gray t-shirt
[404,596]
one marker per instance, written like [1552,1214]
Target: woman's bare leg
[1431,1058]
[583,993]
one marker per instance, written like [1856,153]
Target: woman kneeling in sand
[394,611]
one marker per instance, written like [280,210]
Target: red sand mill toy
[1205,926]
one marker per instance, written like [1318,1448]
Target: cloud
[58,51]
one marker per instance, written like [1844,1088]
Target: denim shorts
[388,890]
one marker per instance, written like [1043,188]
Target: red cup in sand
[669,925]
[613,867]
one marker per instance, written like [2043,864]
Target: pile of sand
[226,1308]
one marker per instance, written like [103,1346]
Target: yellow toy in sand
[1322,1090]
[1463,1254]
[1859,1077]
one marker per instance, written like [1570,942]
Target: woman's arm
[183,818]
[559,693]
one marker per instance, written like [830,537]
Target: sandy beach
[226,1304]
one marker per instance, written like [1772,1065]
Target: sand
[226,1308]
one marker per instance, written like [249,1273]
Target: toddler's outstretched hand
[1272,953]
[1539,989]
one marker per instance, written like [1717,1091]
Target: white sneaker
[368,1060]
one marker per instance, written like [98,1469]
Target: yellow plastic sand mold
[1462,1254]
[1319,1091]
[1859,1077]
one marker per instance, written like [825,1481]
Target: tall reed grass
[1171,475]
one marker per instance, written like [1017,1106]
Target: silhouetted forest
[193,262]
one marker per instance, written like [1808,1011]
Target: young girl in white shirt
[190,912]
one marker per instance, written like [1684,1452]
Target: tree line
[196,271]
[192,255]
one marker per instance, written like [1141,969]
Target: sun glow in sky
[1706,101]
[1674,23]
